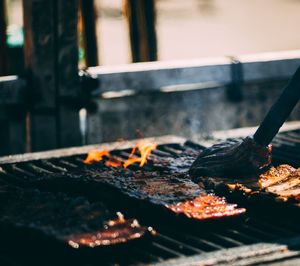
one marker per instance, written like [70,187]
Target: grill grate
[169,243]
[286,147]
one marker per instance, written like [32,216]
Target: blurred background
[185,29]
[190,99]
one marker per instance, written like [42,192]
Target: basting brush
[251,155]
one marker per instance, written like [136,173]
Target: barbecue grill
[46,101]
[257,238]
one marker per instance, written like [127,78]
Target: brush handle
[279,112]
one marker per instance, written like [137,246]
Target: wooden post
[67,73]
[89,20]
[51,62]
[140,15]
[40,63]
[3,50]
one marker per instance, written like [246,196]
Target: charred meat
[175,193]
[72,221]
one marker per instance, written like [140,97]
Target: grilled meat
[73,221]
[175,193]
[282,183]
[206,207]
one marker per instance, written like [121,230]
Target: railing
[157,75]
[48,122]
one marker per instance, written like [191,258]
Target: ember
[113,162]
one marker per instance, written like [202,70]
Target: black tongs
[251,155]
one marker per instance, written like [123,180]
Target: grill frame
[269,243]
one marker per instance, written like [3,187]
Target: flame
[145,149]
[96,156]
[113,162]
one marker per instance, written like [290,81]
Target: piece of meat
[206,207]
[287,186]
[282,183]
[144,189]
[275,175]
[73,221]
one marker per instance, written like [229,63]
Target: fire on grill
[170,192]
[79,200]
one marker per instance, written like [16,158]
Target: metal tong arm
[279,112]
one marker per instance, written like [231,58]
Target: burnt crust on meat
[147,189]
[234,157]
[72,221]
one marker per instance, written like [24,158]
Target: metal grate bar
[289,138]
[68,164]
[169,251]
[52,167]
[286,146]
[146,255]
[201,243]
[227,240]
[160,153]
[276,230]
[193,145]
[35,169]
[172,152]
[246,239]
[10,177]
[181,245]
[258,233]
[16,170]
